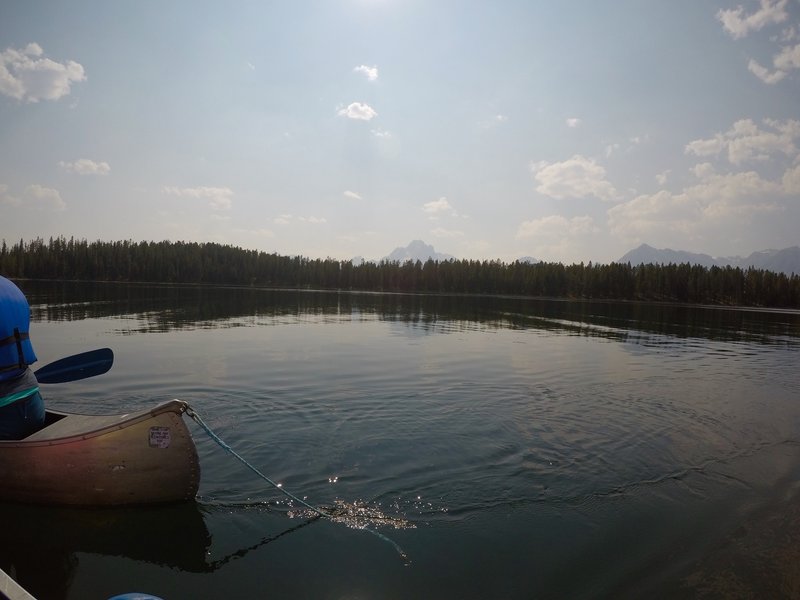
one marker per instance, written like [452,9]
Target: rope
[322,513]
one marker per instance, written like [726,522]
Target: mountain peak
[416,250]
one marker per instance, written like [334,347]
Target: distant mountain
[529,260]
[416,250]
[779,261]
[645,254]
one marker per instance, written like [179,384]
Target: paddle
[78,366]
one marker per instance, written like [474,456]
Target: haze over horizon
[348,128]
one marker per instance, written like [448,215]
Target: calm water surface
[512,448]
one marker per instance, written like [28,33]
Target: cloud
[784,62]
[35,197]
[42,198]
[370,72]
[745,141]
[436,207]
[718,202]
[282,220]
[716,196]
[218,198]
[573,122]
[381,134]
[352,195]
[313,220]
[788,58]
[663,177]
[84,166]
[6,198]
[764,74]
[719,194]
[791,181]
[738,25]
[358,111]
[577,177]
[26,75]
[789,34]
[770,12]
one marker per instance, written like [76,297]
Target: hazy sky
[566,131]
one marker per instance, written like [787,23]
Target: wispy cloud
[716,199]
[770,12]
[218,198]
[577,177]
[36,197]
[6,198]
[358,111]
[787,60]
[573,122]
[43,198]
[791,181]
[85,166]
[739,24]
[352,195]
[312,220]
[288,219]
[370,72]
[27,75]
[435,208]
[746,141]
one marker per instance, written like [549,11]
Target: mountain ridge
[785,260]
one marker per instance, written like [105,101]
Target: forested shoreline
[217,264]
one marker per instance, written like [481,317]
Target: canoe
[147,457]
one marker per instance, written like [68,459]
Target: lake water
[511,448]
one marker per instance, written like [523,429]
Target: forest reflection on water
[164,308]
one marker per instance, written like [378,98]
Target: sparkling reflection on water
[512,447]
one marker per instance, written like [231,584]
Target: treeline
[210,263]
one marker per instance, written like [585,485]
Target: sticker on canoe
[160,437]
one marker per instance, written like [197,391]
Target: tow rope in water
[319,511]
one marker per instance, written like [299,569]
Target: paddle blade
[79,366]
